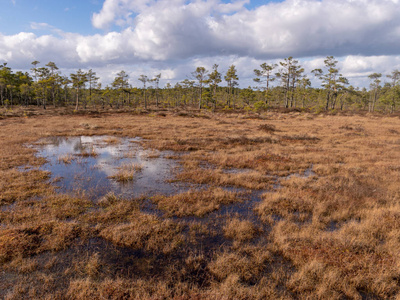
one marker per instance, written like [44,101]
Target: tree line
[276,85]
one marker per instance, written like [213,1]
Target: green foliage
[247,95]
[47,85]
[260,105]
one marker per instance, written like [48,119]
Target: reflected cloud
[91,174]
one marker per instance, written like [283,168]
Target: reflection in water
[90,173]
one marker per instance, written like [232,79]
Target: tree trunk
[77,99]
[286,100]
[157,97]
[53,95]
[327,101]
[1,96]
[374,100]
[144,96]
[44,98]
[201,95]
[215,97]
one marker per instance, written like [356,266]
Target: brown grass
[126,172]
[267,128]
[88,153]
[193,172]
[18,185]
[111,140]
[146,232]
[66,159]
[247,264]
[195,202]
[240,230]
[151,154]
[333,235]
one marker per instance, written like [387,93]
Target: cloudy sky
[173,37]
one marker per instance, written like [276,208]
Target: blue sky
[70,16]
[175,36]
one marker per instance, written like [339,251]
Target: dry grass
[267,128]
[151,154]
[126,172]
[111,140]
[18,185]
[195,202]
[66,159]
[23,241]
[217,177]
[333,235]
[240,230]
[146,232]
[247,264]
[88,153]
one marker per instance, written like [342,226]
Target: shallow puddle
[87,163]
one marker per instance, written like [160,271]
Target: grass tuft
[240,230]
[195,202]
[126,172]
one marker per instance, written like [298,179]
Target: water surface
[85,164]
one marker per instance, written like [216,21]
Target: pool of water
[85,164]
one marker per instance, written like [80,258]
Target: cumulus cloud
[175,35]
[22,48]
[118,11]
[166,29]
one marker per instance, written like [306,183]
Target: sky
[173,37]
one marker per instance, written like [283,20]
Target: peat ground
[268,206]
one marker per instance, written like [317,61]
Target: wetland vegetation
[173,204]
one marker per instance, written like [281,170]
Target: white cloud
[115,11]
[176,35]
[175,29]
[21,49]
[39,26]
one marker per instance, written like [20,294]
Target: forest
[282,85]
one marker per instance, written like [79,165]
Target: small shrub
[267,128]
[260,105]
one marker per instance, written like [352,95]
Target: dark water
[90,174]
[92,160]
